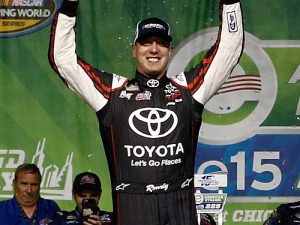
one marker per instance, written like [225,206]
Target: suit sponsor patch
[232,22]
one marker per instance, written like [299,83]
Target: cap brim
[87,187]
[154,33]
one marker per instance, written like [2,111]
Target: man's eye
[163,44]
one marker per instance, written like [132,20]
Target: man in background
[285,214]
[86,193]
[27,207]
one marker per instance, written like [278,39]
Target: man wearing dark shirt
[86,187]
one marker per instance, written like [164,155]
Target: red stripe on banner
[240,89]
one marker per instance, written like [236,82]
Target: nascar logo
[20,17]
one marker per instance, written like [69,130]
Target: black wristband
[69,8]
[229,2]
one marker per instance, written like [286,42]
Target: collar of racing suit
[150,82]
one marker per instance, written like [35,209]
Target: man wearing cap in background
[27,206]
[285,214]
[86,188]
[149,125]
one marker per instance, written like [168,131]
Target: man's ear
[170,51]
[14,185]
[133,51]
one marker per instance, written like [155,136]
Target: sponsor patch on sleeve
[232,22]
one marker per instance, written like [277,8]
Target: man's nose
[29,188]
[154,47]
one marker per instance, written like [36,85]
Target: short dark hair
[28,168]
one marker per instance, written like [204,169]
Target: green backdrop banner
[43,122]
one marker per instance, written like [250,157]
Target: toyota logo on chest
[153,83]
[154,120]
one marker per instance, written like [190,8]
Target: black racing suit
[149,127]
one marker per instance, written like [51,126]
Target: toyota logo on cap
[152,83]
[155,119]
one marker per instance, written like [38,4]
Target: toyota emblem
[154,120]
[153,83]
